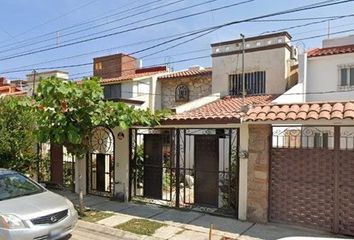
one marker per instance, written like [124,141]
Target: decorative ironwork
[179,172]
[303,137]
[102,140]
[101,162]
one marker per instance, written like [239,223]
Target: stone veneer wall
[199,86]
[258,173]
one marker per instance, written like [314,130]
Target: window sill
[345,88]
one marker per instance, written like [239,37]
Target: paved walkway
[182,224]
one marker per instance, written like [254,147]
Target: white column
[122,162]
[242,209]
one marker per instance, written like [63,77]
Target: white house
[325,74]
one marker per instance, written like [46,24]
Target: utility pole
[34,83]
[329,29]
[243,69]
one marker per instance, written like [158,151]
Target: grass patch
[95,216]
[140,226]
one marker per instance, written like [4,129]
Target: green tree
[17,127]
[68,112]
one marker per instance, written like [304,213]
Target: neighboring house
[7,89]
[325,74]
[268,65]
[300,165]
[204,145]
[123,80]
[33,79]
[181,87]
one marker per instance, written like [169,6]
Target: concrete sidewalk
[182,224]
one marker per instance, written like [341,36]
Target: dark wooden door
[101,172]
[153,166]
[206,150]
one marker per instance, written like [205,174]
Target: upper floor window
[346,77]
[255,83]
[98,66]
[182,93]
[112,91]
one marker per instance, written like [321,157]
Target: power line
[87,22]
[141,42]
[303,8]
[124,31]
[99,25]
[308,24]
[56,18]
[279,13]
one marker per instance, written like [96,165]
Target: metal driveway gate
[312,177]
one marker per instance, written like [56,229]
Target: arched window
[182,93]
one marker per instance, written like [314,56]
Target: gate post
[258,172]
[177,134]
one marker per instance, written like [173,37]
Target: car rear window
[15,185]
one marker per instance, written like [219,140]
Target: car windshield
[15,185]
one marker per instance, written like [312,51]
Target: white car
[29,211]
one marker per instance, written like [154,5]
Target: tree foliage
[68,111]
[17,135]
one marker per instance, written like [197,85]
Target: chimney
[2,81]
[113,66]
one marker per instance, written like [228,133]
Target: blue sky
[25,19]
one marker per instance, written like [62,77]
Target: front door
[101,173]
[206,170]
[153,166]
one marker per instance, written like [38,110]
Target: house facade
[300,162]
[181,87]
[204,146]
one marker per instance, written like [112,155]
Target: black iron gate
[186,168]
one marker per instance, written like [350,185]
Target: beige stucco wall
[199,87]
[121,162]
[276,63]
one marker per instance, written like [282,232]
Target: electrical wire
[306,7]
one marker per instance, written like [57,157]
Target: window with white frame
[346,76]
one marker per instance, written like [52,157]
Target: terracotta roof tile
[225,108]
[318,52]
[128,77]
[188,73]
[302,111]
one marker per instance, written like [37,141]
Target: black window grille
[255,83]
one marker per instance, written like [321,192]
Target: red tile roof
[188,73]
[129,77]
[318,52]
[303,111]
[227,108]
[9,90]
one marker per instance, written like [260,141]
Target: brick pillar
[258,173]
[56,156]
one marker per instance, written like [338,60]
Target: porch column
[258,173]
[56,156]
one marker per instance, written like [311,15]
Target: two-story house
[200,145]
[124,79]
[304,169]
